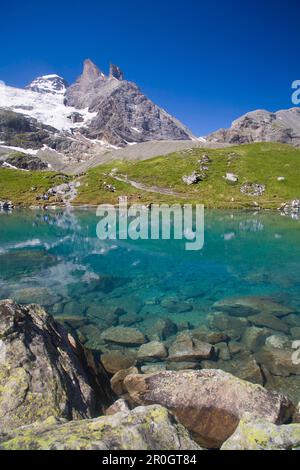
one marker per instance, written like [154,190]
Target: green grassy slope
[17,185]
[255,163]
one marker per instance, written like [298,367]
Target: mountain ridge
[282,126]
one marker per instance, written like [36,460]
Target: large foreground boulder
[210,403]
[144,428]
[44,371]
[261,435]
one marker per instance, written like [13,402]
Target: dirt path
[144,187]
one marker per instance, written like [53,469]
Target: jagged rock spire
[91,71]
[115,72]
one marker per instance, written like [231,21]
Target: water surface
[55,258]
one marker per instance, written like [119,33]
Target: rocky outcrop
[44,371]
[144,428]
[210,403]
[262,435]
[17,130]
[262,126]
[22,161]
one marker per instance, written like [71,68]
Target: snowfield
[49,109]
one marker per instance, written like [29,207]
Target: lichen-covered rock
[262,435]
[144,428]
[210,403]
[44,371]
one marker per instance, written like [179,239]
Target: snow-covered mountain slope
[47,108]
[97,113]
[53,84]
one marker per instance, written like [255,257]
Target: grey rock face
[22,162]
[124,114]
[116,72]
[262,126]
[43,371]
[18,130]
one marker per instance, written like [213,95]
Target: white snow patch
[11,167]
[20,149]
[47,108]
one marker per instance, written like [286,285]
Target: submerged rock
[262,435]
[187,349]
[245,368]
[113,361]
[269,321]
[152,351]
[162,329]
[36,295]
[144,428]
[210,403]
[226,323]
[122,335]
[254,338]
[251,305]
[44,371]
[278,361]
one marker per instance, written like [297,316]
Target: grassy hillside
[22,187]
[255,163]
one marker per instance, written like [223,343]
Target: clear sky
[206,62]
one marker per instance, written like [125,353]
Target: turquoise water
[55,258]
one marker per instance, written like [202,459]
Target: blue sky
[206,62]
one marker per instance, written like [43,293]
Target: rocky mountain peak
[91,72]
[115,72]
[52,84]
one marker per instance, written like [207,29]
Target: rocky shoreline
[57,394]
